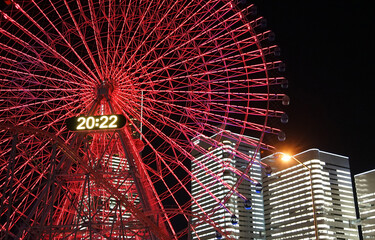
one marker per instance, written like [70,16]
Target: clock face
[102,122]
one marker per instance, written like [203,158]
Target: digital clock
[101,122]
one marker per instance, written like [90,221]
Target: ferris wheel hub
[105,89]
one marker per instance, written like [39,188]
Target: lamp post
[286,157]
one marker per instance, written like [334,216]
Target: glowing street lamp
[286,157]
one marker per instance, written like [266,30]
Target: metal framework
[178,71]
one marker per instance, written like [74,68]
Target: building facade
[250,221]
[291,189]
[365,187]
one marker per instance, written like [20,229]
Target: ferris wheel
[102,104]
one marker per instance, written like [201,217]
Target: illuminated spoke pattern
[178,71]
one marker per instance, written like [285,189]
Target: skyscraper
[365,186]
[250,221]
[288,198]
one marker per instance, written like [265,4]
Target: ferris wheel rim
[167,92]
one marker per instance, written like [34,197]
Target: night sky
[328,48]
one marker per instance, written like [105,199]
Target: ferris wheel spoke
[38,152]
[252,40]
[39,103]
[229,72]
[116,51]
[132,39]
[214,129]
[57,111]
[26,187]
[151,31]
[62,37]
[238,109]
[214,119]
[211,62]
[98,43]
[68,44]
[15,52]
[33,93]
[186,154]
[36,61]
[34,148]
[123,37]
[251,83]
[218,48]
[192,132]
[170,34]
[182,128]
[111,23]
[149,34]
[51,124]
[216,96]
[232,56]
[172,142]
[83,39]
[36,90]
[43,44]
[225,33]
[181,184]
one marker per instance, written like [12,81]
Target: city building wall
[365,187]
[288,201]
[250,222]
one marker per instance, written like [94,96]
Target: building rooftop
[367,172]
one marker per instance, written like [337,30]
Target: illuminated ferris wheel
[100,105]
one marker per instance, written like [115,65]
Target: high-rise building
[365,186]
[250,221]
[312,176]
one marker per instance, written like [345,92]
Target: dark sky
[328,48]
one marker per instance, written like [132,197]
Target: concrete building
[250,221]
[365,186]
[289,192]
